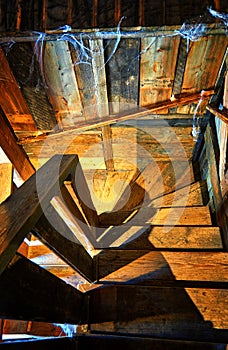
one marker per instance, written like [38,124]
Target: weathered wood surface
[11,99]
[122,342]
[165,216]
[62,84]
[64,243]
[178,237]
[157,69]
[40,344]
[6,180]
[138,266]
[52,300]
[203,54]
[190,314]
[15,153]
[28,202]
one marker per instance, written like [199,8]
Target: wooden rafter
[15,153]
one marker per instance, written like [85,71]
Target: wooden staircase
[152,275]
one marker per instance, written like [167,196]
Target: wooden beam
[131,114]
[99,73]
[73,223]
[31,293]
[64,244]
[14,152]
[6,180]
[11,99]
[82,193]
[178,313]
[28,202]
[131,342]
[41,344]
[220,113]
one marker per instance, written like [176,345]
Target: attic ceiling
[119,97]
[125,86]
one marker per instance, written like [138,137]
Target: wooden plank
[193,195]
[64,244]
[178,237]
[156,108]
[40,344]
[11,99]
[143,267]
[62,84]
[52,301]
[130,342]
[28,202]
[160,312]
[203,54]
[165,216]
[6,180]
[157,69]
[14,152]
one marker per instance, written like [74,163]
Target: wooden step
[141,266]
[196,314]
[191,195]
[199,216]
[159,237]
[178,237]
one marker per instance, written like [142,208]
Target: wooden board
[62,85]
[157,69]
[205,55]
